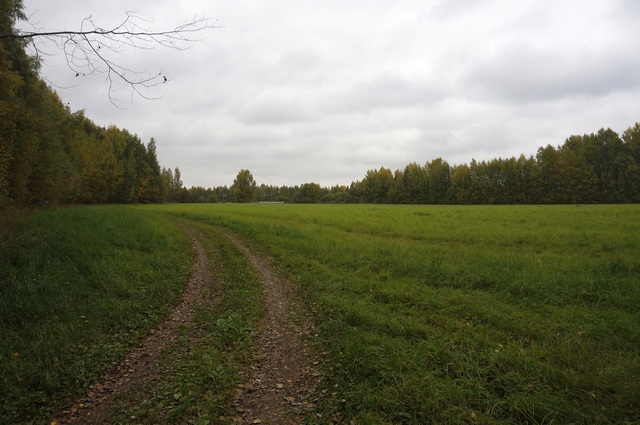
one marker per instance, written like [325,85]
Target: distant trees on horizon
[600,167]
[594,168]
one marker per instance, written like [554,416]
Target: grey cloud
[274,109]
[521,72]
[627,9]
[450,10]
[388,91]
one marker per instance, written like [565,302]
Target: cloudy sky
[303,91]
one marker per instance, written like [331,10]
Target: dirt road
[277,389]
[282,385]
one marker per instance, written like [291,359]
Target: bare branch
[89,50]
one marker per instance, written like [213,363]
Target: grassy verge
[464,314]
[200,371]
[78,286]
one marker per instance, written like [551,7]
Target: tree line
[602,167]
[594,168]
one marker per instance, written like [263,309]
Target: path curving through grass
[275,385]
[95,406]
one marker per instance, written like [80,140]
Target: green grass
[78,287]
[498,315]
[525,314]
[200,370]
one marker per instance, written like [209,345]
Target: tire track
[94,407]
[281,386]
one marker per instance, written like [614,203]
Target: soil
[280,388]
[277,389]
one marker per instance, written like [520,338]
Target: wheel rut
[95,406]
[278,388]
[281,386]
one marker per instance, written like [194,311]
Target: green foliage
[49,155]
[309,193]
[78,287]
[244,187]
[377,185]
[595,168]
[171,184]
[463,314]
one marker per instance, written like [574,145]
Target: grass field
[78,287]
[200,369]
[505,314]
[493,314]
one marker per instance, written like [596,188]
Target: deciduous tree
[244,187]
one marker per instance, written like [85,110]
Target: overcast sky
[302,91]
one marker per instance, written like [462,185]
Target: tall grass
[78,287]
[504,314]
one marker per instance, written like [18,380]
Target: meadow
[81,286]
[78,287]
[425,314]
[448,314]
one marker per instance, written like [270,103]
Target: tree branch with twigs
[91,49]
